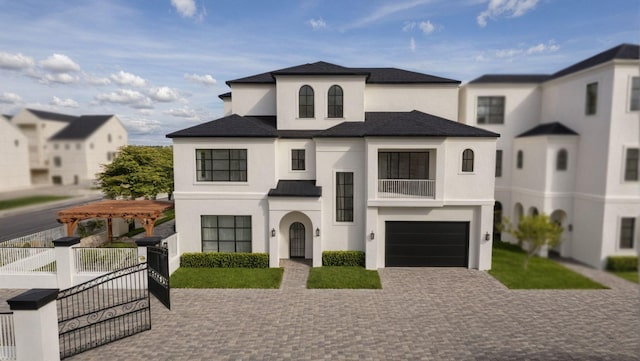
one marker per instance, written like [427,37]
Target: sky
[159,65]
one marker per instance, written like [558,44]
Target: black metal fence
[105,309]
[158,261]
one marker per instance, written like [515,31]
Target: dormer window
[305,102]
[335,102]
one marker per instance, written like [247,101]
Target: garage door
[427,244]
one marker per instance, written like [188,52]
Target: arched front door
[296,240]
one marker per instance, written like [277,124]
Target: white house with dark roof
[66,149]
[569,147]
[14,161]
[321,157]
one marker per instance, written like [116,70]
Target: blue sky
[160,65]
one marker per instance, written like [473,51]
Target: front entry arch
[296,240]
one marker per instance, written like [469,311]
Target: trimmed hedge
[343,258]
[622,263]
[224,260]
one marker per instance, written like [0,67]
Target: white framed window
[562,159]
[634,94]
[627,233]
[498,163]
[298,159]
[335,102]
[467,161]
[591,100]
[221,165]
[306,107]
[490,110]
[632,165]
[344,197]
[519,159]
[222,233]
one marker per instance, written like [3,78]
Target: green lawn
[27,201]
[343,277]
[226,278]
[627,275]
[542,273]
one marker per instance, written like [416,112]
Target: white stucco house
[569,147]
[66,149]
[322,157]
[14,161]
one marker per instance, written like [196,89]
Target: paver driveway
[421,314]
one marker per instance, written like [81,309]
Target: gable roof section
[225,95]
[232,126]
[82,127]
[555,128]
[52,116]
[296,188]
[374,75]
[511,78]
[622,51]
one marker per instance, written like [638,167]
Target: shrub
[622,263]
[224,260]
[343,258]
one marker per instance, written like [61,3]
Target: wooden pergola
[145,211]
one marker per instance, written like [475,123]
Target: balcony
[407,188]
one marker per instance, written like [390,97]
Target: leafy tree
[138,171]
[534,232]
[88,228]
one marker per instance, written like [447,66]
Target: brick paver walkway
[420,314]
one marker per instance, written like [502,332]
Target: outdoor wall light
[273,232]
[317,232]
[372,236]
[570,227]
[487,236]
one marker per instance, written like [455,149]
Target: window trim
[466,161]
[213,181]
[587,100]
[313,102]
[490,114]
[633,234]
[335,96]
[630,97]
[565,160]
[235,227]
[335,197]
[625,162]
[293,160]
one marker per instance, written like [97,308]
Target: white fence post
[65,266]
[35,319]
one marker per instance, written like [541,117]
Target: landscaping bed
[226,278]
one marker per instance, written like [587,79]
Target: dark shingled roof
[555,128]
[296,188]
[374,75]
[232,126]
[225,95]
[511,78]
[82,127]
[376,124]
[622,51]
[52,116]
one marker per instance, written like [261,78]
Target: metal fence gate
[158,261]
[105,309]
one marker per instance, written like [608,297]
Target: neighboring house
[14,161]
[322,157]
[66,149]
[569,147]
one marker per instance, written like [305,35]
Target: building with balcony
[66,149]
[14,161]
[569,147]
[321,157]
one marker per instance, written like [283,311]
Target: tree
[138,171]
[534,232]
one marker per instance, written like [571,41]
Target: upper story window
[498,162]
[562,159]
[634,103]
[335,102]
[57,161]
[627,231]
[344,196]
[109,138]
[221,165]
[591,99]
[632,163]
[519,159]
[467,160]
[490,110]
[297,159]
[403,165]
[305,102]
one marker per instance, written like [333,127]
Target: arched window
[335,102]
[305,102]
[561,160]
[519,160]
[467,160]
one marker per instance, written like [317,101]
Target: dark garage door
[427,244]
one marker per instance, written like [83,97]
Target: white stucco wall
[283,159]
[437,99]
[14,161]
[253,99]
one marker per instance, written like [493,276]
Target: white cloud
[384,11]
[181,112]
[67,103]
[507,8]
[15,61]
[132,98]
[508,53]
[59,63]
[124,78]
[186,8]
[427,27]
[95,80]
[164,94]
[10,98]
[542,48]
[317,24]
[205,79]
[409,25]
[142,126]
[412,44]
[62,78]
